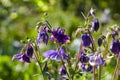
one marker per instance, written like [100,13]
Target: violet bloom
[24,57]
[86,67]
[96,60]
[86,41]
[99,41]
[54,55]
[115,46]
[95,24]
[42,36]
[84,58]
[59,35]
[62,71]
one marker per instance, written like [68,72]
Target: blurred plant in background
[18,19]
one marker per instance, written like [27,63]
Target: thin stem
[94,72]
[99,73]
[77,60]
[62,60]
[93,44]
[67,51]
[48,24]
[116,68]
[37,59]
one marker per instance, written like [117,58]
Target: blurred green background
[18,19]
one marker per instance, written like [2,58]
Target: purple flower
[95,24]
[86,67]
[96,60]
[59,35]
[99,41]
[62,71]
[86,41]
[54,55]
[42,36]
[21,57]
[115,46]
[84,58]
[24,57]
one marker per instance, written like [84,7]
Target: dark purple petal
[95,24]
[29,52]
[84,58]
[60,36]
[115,46]
[86,67]
[42,36]
[62,71]
[99,41]
[21,58]
[25,58]
[86,41]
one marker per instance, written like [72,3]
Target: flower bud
[99,41]
[95,24]
[86,41]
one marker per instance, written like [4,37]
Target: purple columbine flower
[42,36]
[99,41]
[96,60]
[54,55]
[84,58]
[62,71]
[86,41]
[59,35]
[86,67]
[95,24]
[24,57]
[115,46]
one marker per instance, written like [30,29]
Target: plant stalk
[116,68]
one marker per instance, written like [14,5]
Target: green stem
[93,44]
[116,68]
[94,73]
[77,60]
[62,61]
[99,73]
[37,59]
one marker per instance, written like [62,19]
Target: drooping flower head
[83,57]
[62,71]
[24,57]
[55,55]
[42,36]
[115,46]
[95,24]
[59,35]
[100,41]
[86,67]
[86,40]
[96,60]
